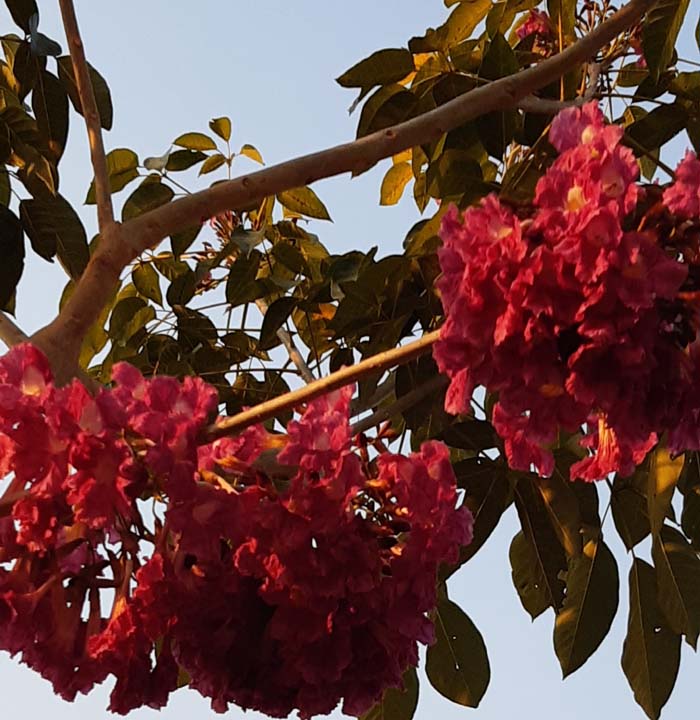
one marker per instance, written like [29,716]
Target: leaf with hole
[457,665]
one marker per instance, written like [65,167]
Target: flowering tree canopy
[244,464]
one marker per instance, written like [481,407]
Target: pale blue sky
[269,64]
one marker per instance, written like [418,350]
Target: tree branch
[105,212]
[61,338]
[334,381]
[10,333]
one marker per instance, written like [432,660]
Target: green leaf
[180,242]
[54,228]
[660,33]
[656,128]
[103,97]
[145,279]
[380,68]
[664,473]
[12,254]
[630,509]
[251,152]
[592,596]
[457,664]
[562,505]
[453,174]
[651,651]
[147,196]
[213,162]
[50,106]
[122,168]
[184,159]
[678,577]
[21,11]
[527,579]
[182,289]
[273,320]
[241,286]
[222,127]
[303,200]
[128,317]
[397,704]
[563,12]
[388,106]
[487,495]
[195,141]
[547,558]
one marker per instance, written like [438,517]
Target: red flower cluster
[571,311]
[286,571]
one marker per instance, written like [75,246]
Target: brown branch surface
[334,381]
[105,212]
[63,336]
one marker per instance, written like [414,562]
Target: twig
[334,381]
[409,400]
[290,346]
[105,212]
[10,334]
[62,337]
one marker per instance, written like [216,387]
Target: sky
[172,65]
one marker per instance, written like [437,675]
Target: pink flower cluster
[572,313]
[275,572]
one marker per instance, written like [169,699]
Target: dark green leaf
[184,159]
[397,704]
[181,241]
[629,506]
[487,495]
[660,32]
[222,127]
[592,596]
[664,472]
[122,166]
[678,577]
[527,579]
[651,652]
[452,174]
[145,280]
[241,286]
[181,289]
[21,11]
[457,664]
[195,141]
[388,106]
[54,228]
[50,105]
[562,505]
[655,129]
[303,200]
[563,13]
[273,320]
[11,254]
[547,558]
[103,97]
[381,68]
[476,435]
[147,196]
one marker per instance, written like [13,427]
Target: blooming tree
[174,513]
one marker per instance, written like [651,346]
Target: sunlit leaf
[222,127]
[303,200]
[195,141]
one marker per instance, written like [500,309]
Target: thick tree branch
[92,292]
[10,334]
[345,376]
[105,213]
